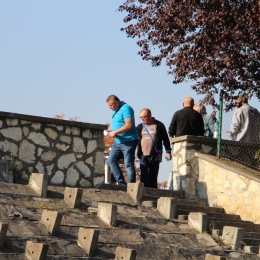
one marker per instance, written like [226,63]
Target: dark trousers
[149,172]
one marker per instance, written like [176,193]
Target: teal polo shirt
[118,120]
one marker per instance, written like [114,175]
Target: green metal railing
[246,153]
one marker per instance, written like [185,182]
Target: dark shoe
[121,183]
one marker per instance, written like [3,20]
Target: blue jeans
[124,151]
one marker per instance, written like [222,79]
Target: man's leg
[144,174]
[128,150]
[154,174]
[114,156]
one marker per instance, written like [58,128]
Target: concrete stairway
[217,218]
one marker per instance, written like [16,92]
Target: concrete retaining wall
[229,185]
[185,163]
[70,153]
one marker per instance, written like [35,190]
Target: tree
[214,43]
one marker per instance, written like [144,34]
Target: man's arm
[139,129]
[173,127]
[236,123]
[201,126]
[125,128]
[211,124]
[166,142]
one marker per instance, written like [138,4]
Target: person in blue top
[126,139]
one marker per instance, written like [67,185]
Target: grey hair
[200,108]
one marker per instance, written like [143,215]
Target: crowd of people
[151,136]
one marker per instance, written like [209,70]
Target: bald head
[188,102]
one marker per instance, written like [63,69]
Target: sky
[66,57]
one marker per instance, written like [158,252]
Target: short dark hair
[242,99]
[112,97]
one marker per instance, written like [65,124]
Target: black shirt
[186,121]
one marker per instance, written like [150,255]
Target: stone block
[199,221]
[36,251]
[167,206]
[73,196]
[5,171]
[39,183]
[125,253]
[3,231]
[233,236]
[51,220]
[107,212]
[214,257]
[88,239]
[136,191]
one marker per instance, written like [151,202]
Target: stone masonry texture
[68,152]
[225,188]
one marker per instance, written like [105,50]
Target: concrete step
[106,186]
[252,235]
[251,242]
[147,191]
[182,201]
[211,214]
[162,193]
[248,227]
[198,208]
[225,218]
[226,222]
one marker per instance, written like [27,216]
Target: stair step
[226,222]
[192,202]
[162,193]
[210,214]
[248,227]
[198,208]
[213,219]
[251,241]
[182,201]
[252,235]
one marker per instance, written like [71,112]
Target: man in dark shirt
[186,121]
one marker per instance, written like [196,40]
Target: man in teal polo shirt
[126,138]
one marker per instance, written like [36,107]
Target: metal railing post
[107,171]
[220,123]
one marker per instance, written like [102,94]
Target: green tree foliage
[213,43]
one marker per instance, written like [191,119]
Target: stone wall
[229,185]
[6,173]
[70,153]
[185,163]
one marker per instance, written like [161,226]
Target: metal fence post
[107,171]
[220,123]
